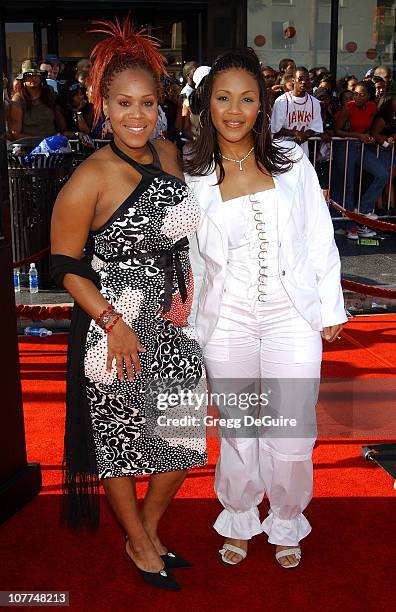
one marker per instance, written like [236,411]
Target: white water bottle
[33,279]
[17,281]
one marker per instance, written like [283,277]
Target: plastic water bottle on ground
[37,331]
[33,279]
[17,281]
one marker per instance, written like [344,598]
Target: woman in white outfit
[267,275]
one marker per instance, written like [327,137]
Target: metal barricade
[34,185]
[346,184]
[82,152]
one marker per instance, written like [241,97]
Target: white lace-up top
[252,265]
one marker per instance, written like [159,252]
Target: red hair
[123,48]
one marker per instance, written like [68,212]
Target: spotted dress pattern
[142,243]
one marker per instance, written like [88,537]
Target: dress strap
[144,169]
[156,159]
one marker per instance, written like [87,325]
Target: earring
[253,130]
[106,127]
[199,118]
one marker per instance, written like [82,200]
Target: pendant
[240,166]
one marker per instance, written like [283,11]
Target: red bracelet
[117,317]
[106,311]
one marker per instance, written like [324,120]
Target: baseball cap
[200,73]
[30,68]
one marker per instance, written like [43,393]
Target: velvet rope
[42,313]
[363,220]
[368,289]
[31,259]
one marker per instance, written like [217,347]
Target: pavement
[372,265]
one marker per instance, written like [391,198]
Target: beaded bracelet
[117,317]
[104,317]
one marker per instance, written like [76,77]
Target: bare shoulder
[169,157]
[87,183]
[92,172]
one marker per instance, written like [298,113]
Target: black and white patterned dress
[141,257]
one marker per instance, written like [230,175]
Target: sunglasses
[29,75]
[76,87]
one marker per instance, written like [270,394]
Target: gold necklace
[238,161]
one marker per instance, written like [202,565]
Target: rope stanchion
[363,220]
[33,258]
[43,313]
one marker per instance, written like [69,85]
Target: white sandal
[234,549]
[295,552]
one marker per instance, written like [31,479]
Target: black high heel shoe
[163,579]
[175,561]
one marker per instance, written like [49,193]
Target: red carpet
[347,560]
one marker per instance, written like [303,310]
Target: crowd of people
[346,127]
[303,103]
[40,104]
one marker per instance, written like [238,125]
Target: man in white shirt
[296,115]
[188,72]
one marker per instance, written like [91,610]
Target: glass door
[19,45]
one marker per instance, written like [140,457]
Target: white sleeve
[198,266]
[322,249]
[317,122]
[278,117]
[198,270]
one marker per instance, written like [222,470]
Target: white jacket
[309,263]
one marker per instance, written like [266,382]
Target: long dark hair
[47,95]
[205,152]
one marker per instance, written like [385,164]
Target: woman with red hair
[119,240]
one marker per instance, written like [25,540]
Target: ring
[338,337]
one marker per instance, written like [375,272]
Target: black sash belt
[167,260]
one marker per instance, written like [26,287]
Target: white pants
[275,346]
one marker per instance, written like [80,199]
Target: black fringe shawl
[80,481]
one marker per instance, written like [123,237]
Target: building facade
[347,36]
[188,29]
